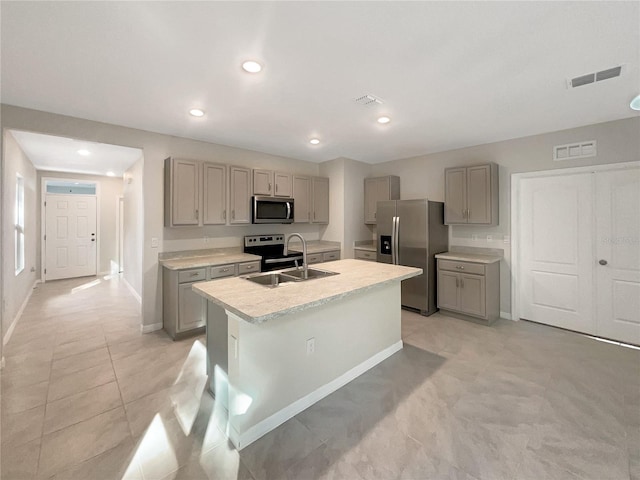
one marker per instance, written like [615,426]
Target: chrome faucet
[305,266]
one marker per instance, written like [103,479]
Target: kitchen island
[272,352]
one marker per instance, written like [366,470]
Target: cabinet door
[239,195]
[320,189]
[185,193]
[472,294]
[455,195]
[448,290]
[215,198]
[301,197]
[283,184]
[192,308]
[479,194]
[262,182]
[370,199]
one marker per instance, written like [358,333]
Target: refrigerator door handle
[393,241]
[396,241]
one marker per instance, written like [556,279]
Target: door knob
[602,262]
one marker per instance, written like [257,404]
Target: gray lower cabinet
[323,257]
[365,255]
[470,289]
[184,311]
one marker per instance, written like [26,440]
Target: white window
[19,217]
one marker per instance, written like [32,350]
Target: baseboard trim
[151,328]
[505,315]
[7,337]
[135,294]
[265,426]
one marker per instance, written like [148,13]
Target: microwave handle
[288,210]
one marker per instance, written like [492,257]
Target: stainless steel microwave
[272,210]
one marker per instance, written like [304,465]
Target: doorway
[578,250]
[70,226]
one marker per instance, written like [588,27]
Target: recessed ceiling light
[314,141]
[84,152]
[635,103]
[76,183]
[196,112]
[251,66]
[111,174]
[384,120]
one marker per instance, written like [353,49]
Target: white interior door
[618,247]
[70,242]
[556,241]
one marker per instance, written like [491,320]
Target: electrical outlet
[474,238]
[506,239]
[311,346]
[489,238]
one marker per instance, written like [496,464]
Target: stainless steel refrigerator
[411,232]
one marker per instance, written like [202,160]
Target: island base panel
[271,377]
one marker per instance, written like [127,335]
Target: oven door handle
[288,210]
[282,260]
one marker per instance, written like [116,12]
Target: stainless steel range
[271,248]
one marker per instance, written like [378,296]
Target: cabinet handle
[224,214]
[194,274]
[276,188]
[314,215]
[457,282]
[269,187]
[249,267]
[461,283]
[375,215]
[233,214]
[459,267]
[225,269]
[196,214]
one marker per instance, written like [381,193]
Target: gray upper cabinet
[320,200]
[377,189]
[471,195]
[301,195]
[239,195]
[214,194]
[262,182]
[182,193]
[282,182]
[273,184]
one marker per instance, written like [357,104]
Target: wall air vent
[573,151]
[369,101]
[595,77]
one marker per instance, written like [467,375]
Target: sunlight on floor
[186,393]
[604,340]
[155,455]
[86,286]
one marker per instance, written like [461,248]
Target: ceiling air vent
[572,151]
[369,101]
[595,77]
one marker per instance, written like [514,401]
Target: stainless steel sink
[311,273]
[273,279]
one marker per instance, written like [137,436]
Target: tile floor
[86,396]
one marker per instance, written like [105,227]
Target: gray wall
[109,191]
[16,288]
[423,176]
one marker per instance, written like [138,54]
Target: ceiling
[451,74]
[59,154]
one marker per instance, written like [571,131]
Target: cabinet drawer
[330,256]
[249,267]
[365,255]
[222,271]
[314,258]
[194,275]
[465,267]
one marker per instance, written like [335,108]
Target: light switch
[155,243]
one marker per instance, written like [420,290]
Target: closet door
[556,257]
[617,259]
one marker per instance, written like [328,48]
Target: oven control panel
[263,240]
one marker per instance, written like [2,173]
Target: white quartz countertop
[468,257]
[257,303]
[210,260]
[315,246]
